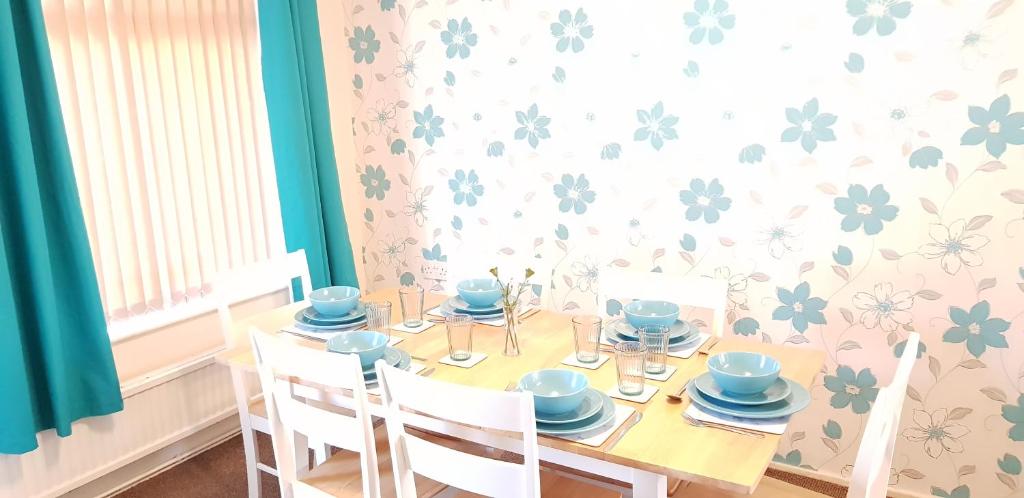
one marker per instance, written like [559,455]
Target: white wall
[176,400]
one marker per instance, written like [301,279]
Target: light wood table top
[662,442]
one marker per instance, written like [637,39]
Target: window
[166,120]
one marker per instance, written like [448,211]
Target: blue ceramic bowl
[743,372]
[555,391]
[369,345]
[479,291]
[644,312]
[334,301]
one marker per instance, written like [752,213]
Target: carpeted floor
[823,487]
[216,473]
[220,473]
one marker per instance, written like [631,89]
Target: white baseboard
[158,461]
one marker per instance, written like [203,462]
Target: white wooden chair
[458,464]
[870,477]
[294,420]
[694,292]
[239,286]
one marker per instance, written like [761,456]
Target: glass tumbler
[411,299]
[378,316]
[630,357]
[655,337]
[586,331]
[460,336]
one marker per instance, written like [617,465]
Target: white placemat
[469,362]
[374,388]
[573,362]
[643,397]
[688,352]
[590,438]
[769,425]
[663,376]
[413,330]
[316,336]
[326,336]
[493,322]
[678,353]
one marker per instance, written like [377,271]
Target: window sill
[122,330]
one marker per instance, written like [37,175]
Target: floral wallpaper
[853,169]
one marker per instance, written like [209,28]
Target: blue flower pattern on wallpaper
[799,308]
[996,127]
[878,14]
[925,157]
[704,200]
[428,126]
[459,38]
[574,194]
[709,21]
[856,390]
[570,31]
[1014,414]
[809,127]
[863,209]
[611,151]
[466,187]
[976,329]
[752,154]
[875,209]
[364,44]
[532,126]
[656,126]
[376,182]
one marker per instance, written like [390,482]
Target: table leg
[649,485]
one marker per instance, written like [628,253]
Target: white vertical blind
[167,125]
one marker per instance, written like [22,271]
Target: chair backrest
[684,291]
[870,478]
[243,284]
[489,409]
[281,365]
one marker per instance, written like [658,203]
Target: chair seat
[341,474]
[258,416]
[555,485]
[258,408]
[768,488]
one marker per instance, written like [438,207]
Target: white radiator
[162,409]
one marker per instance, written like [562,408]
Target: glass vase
[511,329]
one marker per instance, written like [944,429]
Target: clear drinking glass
[655,337]
[586,330]
[630,357]
[411,299]
[378,316]
[460,336]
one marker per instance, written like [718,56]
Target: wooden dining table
[658,447]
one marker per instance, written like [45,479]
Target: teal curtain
[56,365]
[300,130]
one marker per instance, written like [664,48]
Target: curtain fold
[56,365]
[300,130]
